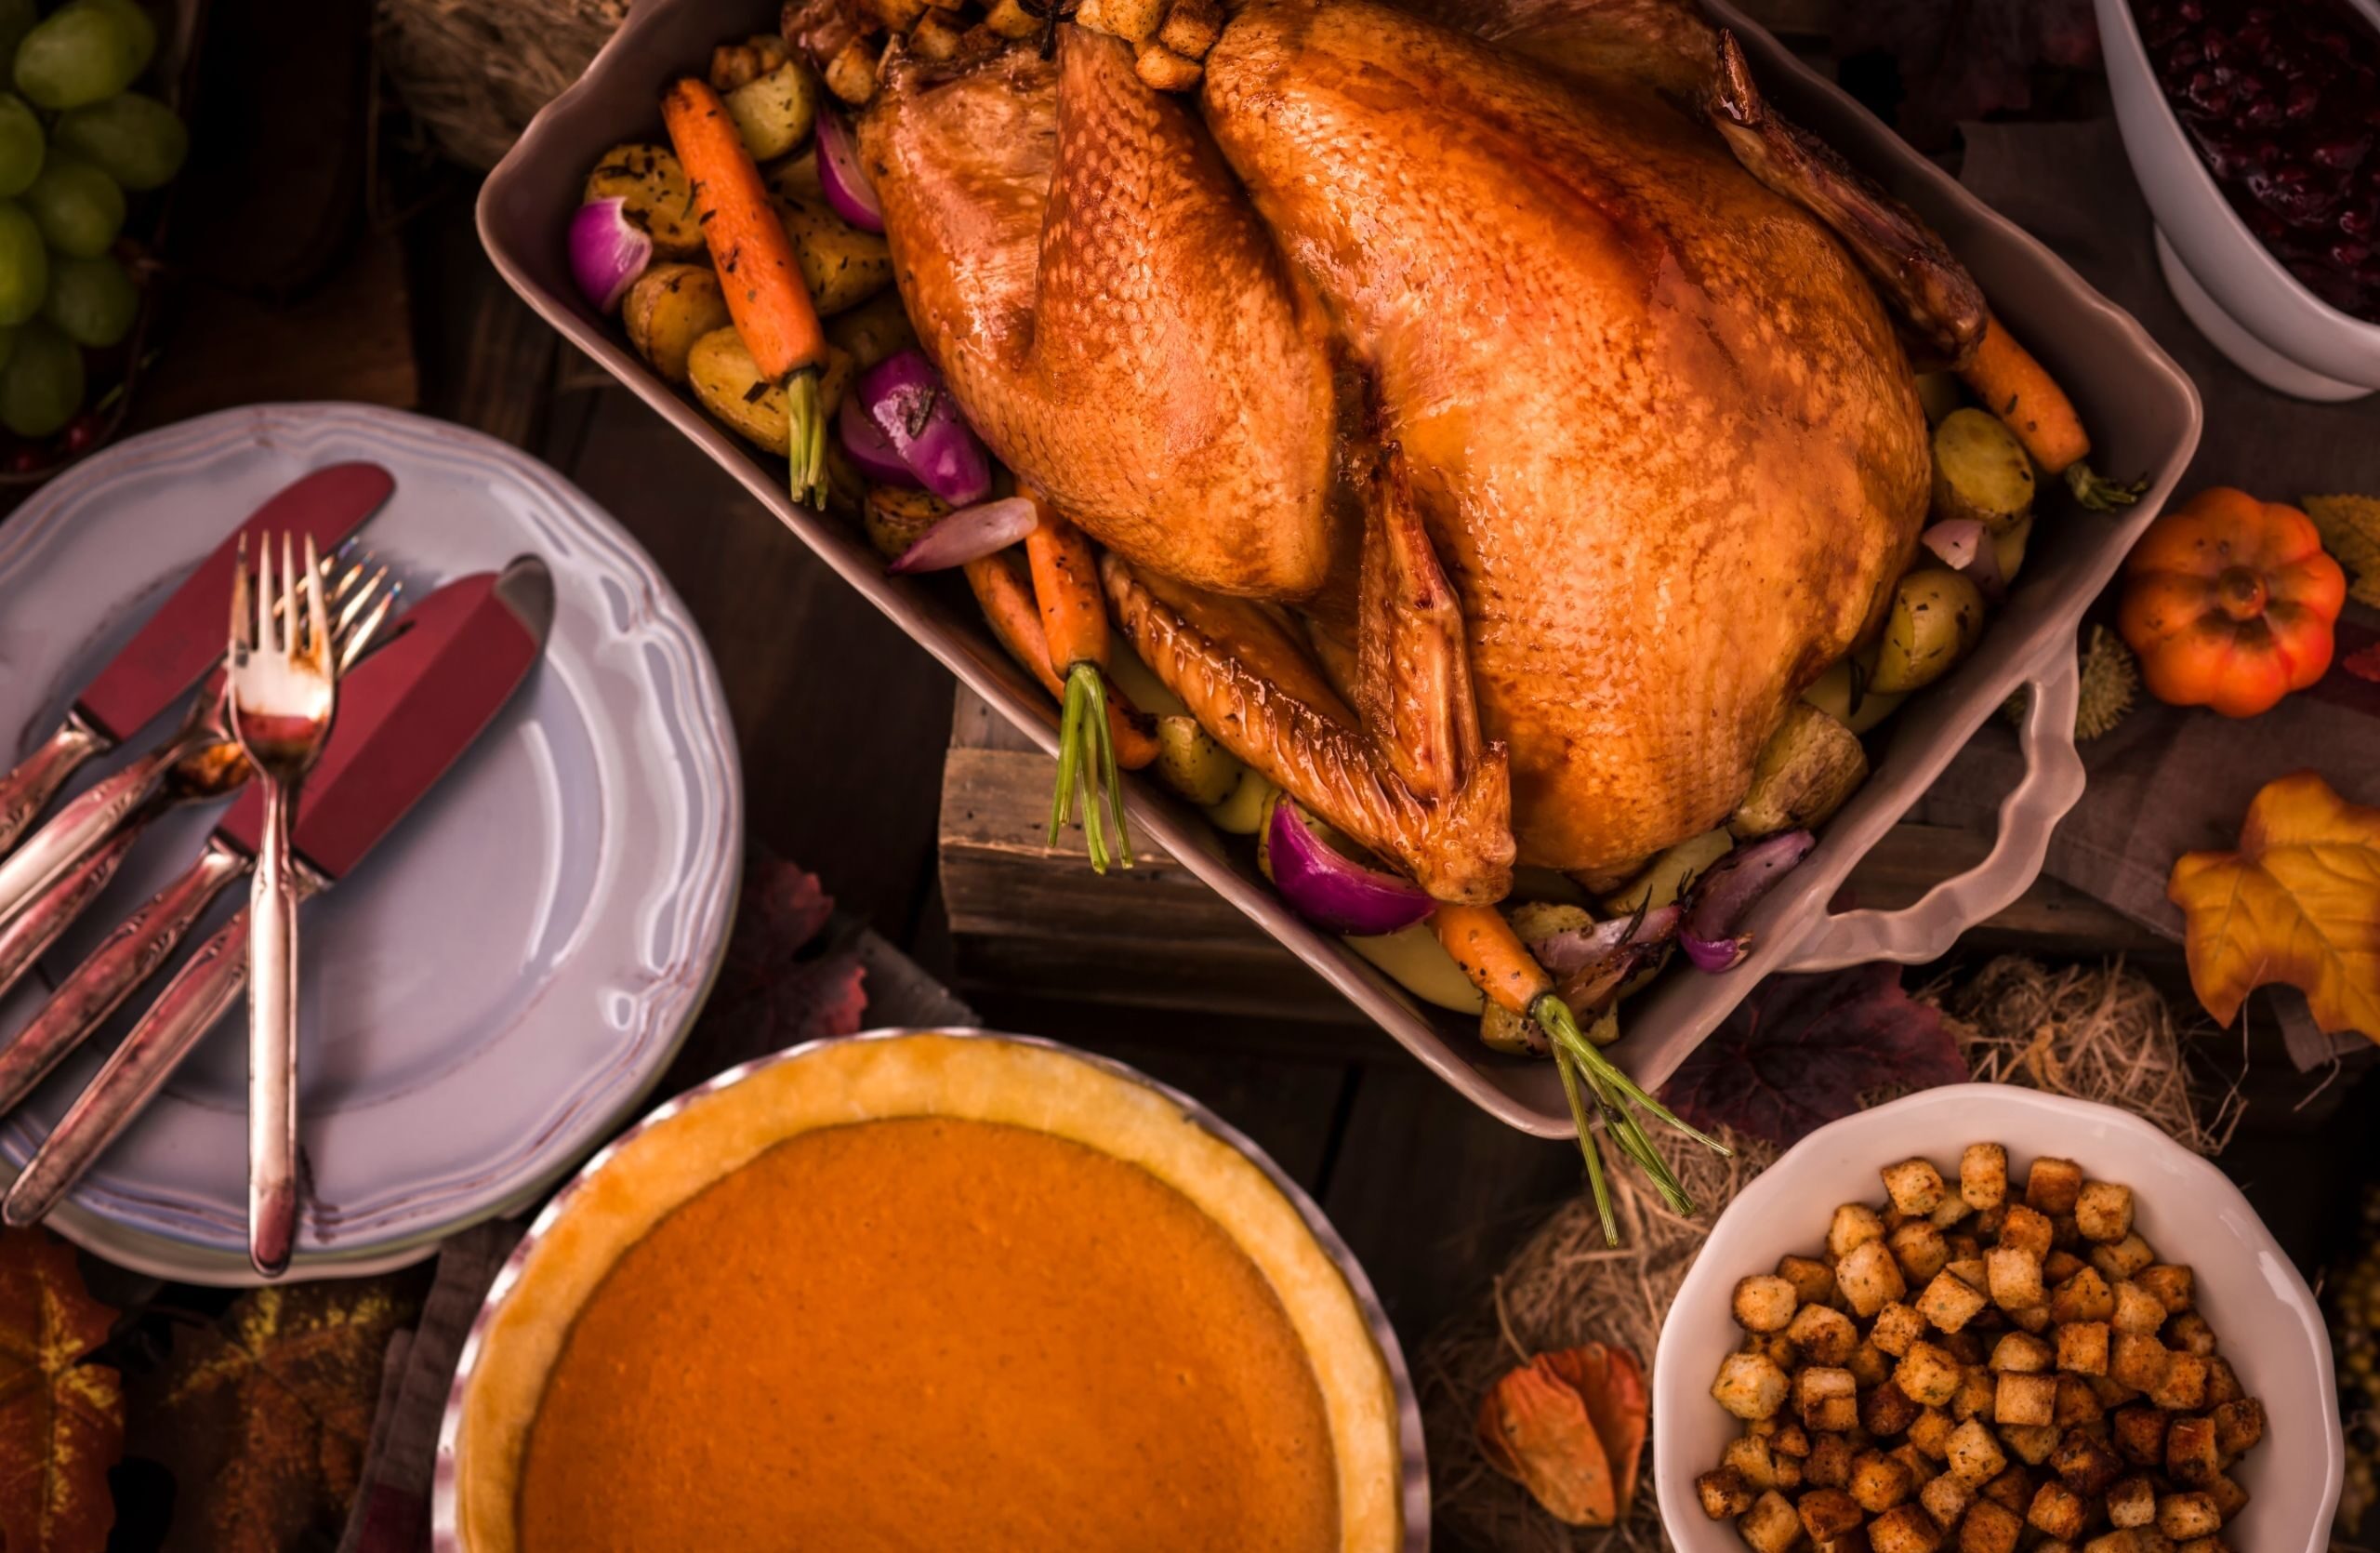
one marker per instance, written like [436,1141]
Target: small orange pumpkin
[2230,603]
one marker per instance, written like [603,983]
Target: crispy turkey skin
[1650,417]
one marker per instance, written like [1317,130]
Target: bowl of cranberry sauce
[2254,127]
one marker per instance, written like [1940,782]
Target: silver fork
[80,829]
[362,599]
[282,687]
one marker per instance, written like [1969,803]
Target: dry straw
[2100,1034]
[475,72]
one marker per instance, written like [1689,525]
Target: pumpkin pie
[922,1292]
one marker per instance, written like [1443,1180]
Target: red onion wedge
[843,178]
[607,251]
[904,398]
[1965,545]
[1590,964]
[968,534]
[870,452]
[1712,935]
[1333,891]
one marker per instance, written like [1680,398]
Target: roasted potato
[1242,814]
[741,63]
[873,330]
[1192,764]
[897,517]
[1417,962]
[668,309]
[1809,768]
[1847,693]
[773,113]
[1667,877]
[729,384]
[1981,471]
[660,198]
[1937,615]
[2008,546]
[842,265]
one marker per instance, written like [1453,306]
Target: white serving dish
[2239,296]
[2262,1312]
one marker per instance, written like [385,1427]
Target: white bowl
[2261,1311]
[2239,296]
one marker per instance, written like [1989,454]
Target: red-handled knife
[405,714]
[183,640]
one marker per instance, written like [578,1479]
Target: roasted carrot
[2017,389]
[1129,742]
[760,274]
[1073,629]
[1493,955]
[1065,586]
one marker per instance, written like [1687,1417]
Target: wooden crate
[1027,921]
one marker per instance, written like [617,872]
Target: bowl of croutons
[1987,1319]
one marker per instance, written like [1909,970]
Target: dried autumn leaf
[2350,529]
[264,1415]
[1612,1384]
[1535,1429]
[61,1419]
[1800,1051]
[2299,902]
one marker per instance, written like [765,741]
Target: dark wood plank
[841,720]
[350,338]
[1431,1193]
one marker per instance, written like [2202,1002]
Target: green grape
[20,144]
[139,32]
[92,300]
[24,264]
[78,207]
[42,386]
[134,140]
[16,19]
[78,54]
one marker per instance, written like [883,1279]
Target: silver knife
[214,977]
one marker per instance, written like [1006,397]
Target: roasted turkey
[1493,414]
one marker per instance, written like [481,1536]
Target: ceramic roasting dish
[2142,413]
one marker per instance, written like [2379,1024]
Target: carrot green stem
[1614,1093]
[2097,492]
[1086,757]
[1585,1124]
[806,437]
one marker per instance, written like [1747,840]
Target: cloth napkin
[2166,780]
[793,972]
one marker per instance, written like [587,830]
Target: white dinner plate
[505,976]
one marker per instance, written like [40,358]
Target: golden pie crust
[657,1169]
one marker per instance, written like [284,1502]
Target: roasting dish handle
[2051,786]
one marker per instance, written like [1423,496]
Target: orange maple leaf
[2299,902]
[61,1420]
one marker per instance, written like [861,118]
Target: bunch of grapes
[74,140]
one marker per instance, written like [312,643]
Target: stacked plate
[507,974]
